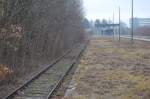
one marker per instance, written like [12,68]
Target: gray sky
[99,9]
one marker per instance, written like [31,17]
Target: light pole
[113,25]
[132,25]
[119,25]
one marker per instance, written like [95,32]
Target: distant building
[140,22]
[104,29]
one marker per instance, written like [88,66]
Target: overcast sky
[99,9]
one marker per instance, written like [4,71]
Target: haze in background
[103,9]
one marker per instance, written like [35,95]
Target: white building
[140,22]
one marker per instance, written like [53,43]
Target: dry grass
[109,70]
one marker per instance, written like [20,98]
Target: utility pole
[132,24]
[113,26]
[119,24]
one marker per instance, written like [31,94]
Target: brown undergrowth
[113,70]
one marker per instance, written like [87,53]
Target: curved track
[44,84]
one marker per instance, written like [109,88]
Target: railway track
[44,84]
[137,38]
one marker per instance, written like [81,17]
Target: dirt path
[112,70]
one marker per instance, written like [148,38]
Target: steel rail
[51,93]
[37,75]
[13,93]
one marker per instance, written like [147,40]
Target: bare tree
[34,32]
